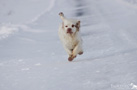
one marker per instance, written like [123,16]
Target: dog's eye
[66,26]
[73,25]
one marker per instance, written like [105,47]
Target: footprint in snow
[25,69]
[38,64]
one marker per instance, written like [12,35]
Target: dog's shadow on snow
[107,55]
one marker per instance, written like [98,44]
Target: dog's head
[70,26]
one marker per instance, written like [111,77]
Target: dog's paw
[71,58]
[80,53]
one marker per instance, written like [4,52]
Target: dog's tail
[62,16]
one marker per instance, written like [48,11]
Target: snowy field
[32,56]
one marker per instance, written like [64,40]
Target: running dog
[69,34]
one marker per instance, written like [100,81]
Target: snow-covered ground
[32,56]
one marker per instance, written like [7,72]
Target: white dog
[70,36]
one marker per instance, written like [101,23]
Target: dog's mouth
[69,32]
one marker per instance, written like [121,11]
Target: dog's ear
[61,16]
[62,25]
[78,25]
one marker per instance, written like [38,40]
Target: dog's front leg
[69,52]
[77,50]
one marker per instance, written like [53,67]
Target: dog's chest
[70,41]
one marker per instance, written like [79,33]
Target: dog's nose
[69,30]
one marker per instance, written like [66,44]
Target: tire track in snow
[100,17]
[85,10]
[130,3]
[119,36]
[52,3]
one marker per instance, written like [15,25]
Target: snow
[32,56]
[6,30]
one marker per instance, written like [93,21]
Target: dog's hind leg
[80,51]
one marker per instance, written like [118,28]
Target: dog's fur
[70,36]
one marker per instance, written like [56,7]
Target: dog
[69,34]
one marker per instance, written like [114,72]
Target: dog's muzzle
[69,30]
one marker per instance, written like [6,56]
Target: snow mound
[7,30]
